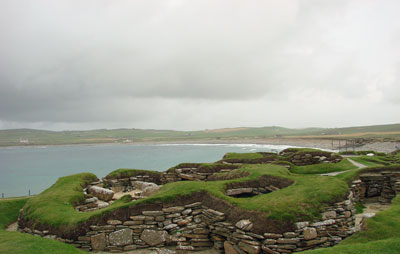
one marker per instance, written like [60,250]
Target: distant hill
[15,137]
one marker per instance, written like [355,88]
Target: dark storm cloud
[154,63]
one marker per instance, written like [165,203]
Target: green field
[42,137]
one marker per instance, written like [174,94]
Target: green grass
[18,243]
[243,156]
[323,168]
[124,173]
[300,201]
[43,137]
[368,163]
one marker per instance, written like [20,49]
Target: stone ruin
[383,184]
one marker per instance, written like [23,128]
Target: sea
[30,170]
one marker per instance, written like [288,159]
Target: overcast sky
[197,64]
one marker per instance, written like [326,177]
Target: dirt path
[372,207]
[12,227]
[359,165]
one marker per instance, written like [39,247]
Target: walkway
[359,165]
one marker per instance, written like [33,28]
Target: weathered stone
[272,235]
[323,223]
[174,209]
[121,237]
[268,250]
[184,222]
[101,193]
[310,233]
[130,247]
[249,248]
[329,215]
[151,190]
[239,191]
[288,240]
[114,222]
[229,248]
[301,225]
[98,242]
[290,234]
[154,237]
[91,200]
[245,225]
[139,217]
[152,213]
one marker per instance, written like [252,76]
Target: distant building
[23,141]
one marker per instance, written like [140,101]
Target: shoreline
[329,144]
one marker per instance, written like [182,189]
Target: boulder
[121,237]
[101,193]
[98,241]
[154,237]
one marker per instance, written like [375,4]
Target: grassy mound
[323,168]
[18,243]
[300,201]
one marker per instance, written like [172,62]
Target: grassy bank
[18,243]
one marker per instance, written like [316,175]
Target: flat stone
[101,193]
[114,222]
[251,249]
[244,225]
[154,237]
[98,242]
[272,236]
[238,191]
[329,215]
[152,213]
[301,225]
[121,237]
[310,233]
[229,248]
[323,223]
[174,209]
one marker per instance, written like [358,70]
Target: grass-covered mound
[204,167]
[323,168]
[300,201]
[126,173]
[250,158]
[18,243]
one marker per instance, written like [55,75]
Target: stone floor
[162,251]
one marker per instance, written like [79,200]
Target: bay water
[34,169]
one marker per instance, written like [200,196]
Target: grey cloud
[138,62]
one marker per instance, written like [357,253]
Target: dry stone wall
[196,227]
[385,185]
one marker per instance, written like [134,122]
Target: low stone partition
[194,226]
[384,184]
[195,172]
[265,184]
[124,183]
[303,158]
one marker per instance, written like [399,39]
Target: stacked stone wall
[196,227]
